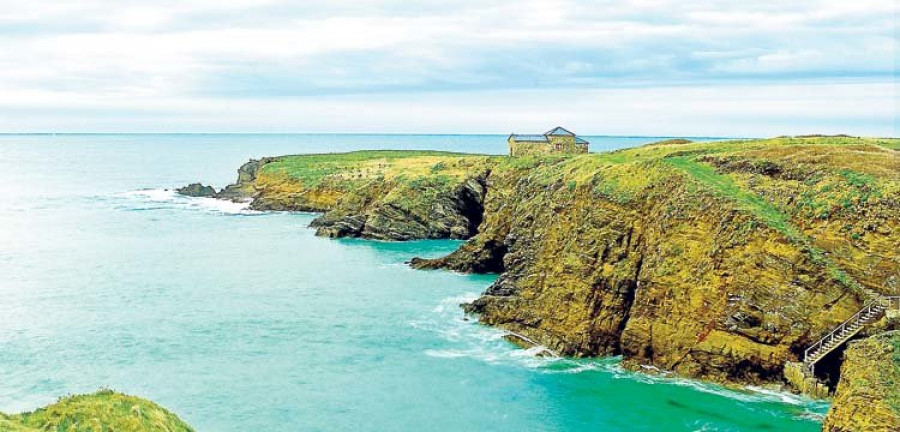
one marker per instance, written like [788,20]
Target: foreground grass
[102,411]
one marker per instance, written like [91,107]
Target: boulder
[197,190]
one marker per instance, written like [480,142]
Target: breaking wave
[162,199]
[469,339]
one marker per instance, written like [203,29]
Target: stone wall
[526,148]
[557,144]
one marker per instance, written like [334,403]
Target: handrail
[855,318]
[879,304]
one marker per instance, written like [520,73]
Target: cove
[239,320]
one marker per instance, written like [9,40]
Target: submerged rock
[197,190]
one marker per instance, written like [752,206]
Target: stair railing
[830,337]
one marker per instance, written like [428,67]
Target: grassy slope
[845,161]
[838,174]
[842,170]
[101,411]
[821,180]
[363,166]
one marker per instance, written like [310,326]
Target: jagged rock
[470,258]
[867,395]
[197,190]
[244,188]
[405,210]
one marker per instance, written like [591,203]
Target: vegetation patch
[362,166]
[102,411]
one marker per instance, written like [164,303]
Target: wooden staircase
[870,313]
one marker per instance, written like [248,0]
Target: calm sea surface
[242,321]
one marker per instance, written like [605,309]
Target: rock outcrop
[868,394]
[453,210]
[197,190]
[244,189]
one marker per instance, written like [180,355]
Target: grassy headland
[720,260]
[102,411]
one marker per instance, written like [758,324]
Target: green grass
[366,165]
[768,213]
[725,186]
[891,143]
[102,411]
[312,169]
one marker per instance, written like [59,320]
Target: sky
[598,67]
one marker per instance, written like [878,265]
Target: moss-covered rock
[868,394]
[97,412]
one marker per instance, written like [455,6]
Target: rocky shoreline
[717,261]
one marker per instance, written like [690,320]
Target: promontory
[727,261]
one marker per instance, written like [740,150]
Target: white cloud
[732,110]
[141,52]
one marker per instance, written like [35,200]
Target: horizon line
[363,133]
[722,137]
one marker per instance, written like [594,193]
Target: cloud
[276,49]
[747,110]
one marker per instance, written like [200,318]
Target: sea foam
[156,199]
[473,340]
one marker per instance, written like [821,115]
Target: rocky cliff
[716,260]
[868,395]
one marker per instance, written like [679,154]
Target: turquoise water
[242,321]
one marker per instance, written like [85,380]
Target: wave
[164,199]
[469,339]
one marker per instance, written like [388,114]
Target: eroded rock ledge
[720,261]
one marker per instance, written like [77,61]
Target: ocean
[245,321]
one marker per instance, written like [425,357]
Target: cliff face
[104,410]
[868,396]
[388,195]
[716,260]
[661,259]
